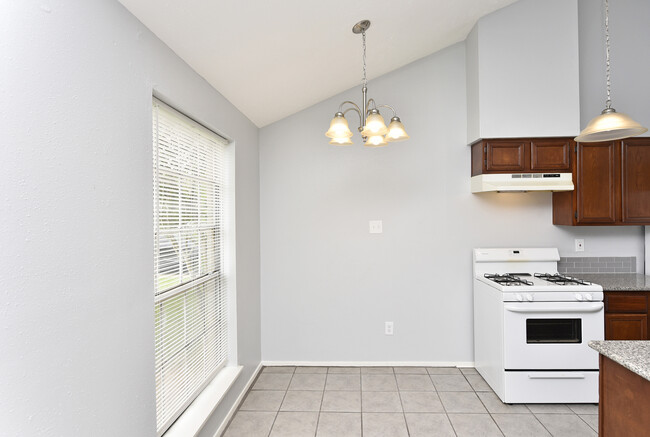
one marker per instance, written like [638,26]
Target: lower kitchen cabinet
[626,315]
[624,401]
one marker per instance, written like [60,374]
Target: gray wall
[328,286]
[76,318]
[630,58]
[630,65]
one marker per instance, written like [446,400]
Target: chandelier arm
[389,107]
[351,103]
[358,113]
[374,104]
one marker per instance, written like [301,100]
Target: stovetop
[535,279]
[537,282]
[530,275]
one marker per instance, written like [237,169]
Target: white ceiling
[272,58]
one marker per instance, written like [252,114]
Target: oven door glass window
[553,331]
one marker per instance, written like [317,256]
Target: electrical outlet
[375,226]
[388,328]
[580,245]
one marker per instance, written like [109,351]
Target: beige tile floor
[395,402]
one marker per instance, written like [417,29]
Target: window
[191,307]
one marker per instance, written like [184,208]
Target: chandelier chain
[607,69]
[365,80]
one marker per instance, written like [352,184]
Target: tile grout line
[320,407]
[361,400]
[283,398]
[399,394]
[453,429]
[482,403]
[580,416]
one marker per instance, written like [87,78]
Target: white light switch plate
[580,245]
[375,226]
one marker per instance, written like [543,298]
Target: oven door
[552,335]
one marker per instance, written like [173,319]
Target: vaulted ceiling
[272,58]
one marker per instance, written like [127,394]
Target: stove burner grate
[507,279]
[558,279]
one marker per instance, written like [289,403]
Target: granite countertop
[617,281]
[633,355]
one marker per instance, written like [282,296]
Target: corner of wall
[472,84]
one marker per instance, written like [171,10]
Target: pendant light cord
[365,80]
[608,103]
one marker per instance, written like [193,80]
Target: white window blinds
[190,290]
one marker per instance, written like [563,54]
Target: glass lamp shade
[375,125]
[375,141]
[610,125]
[396,131]
[341,141]
[339,127]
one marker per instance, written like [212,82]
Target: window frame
[224,273]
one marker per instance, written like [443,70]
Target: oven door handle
[584,308]
[556,375]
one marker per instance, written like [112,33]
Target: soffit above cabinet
[523,73]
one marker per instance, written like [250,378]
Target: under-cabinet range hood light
[521,182]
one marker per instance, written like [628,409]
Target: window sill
[195,416]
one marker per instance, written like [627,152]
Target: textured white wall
[328,285]
[76,314]
[527,71]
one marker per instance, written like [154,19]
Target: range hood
[518,182]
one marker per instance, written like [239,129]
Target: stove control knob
[588,297]
[579,297]
[529,297]
[519,297]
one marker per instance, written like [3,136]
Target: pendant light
[609,125]
[372,126]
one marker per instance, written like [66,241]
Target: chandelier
[609,125]
[374,131]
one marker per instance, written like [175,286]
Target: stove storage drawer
[535,387]
[552,335]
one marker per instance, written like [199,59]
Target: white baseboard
[239,400]
[372,363]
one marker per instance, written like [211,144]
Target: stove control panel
[557,296]
[584,297]
[525,297]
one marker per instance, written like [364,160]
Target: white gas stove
[532,326]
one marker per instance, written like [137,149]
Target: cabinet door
[552,155]
[635,181]
[626,327]
[505,156]
[596,183]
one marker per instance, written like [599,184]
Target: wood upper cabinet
[521,155]
[596,183]
[505,156]
[550,155]
[635,182]
[612,185]
[626,315]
